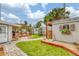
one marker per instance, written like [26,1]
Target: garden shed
[66,30]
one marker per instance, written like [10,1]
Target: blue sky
[32,12]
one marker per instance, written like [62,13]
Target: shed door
[3,33]
[49,32]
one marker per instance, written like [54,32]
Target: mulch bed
[58,45]
[2,50]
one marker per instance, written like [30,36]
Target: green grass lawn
[36,36]
[36,48]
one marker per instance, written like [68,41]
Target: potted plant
[66,31]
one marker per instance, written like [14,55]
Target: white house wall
[73,37]
[9,33]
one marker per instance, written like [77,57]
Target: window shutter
[67,27]
[72,27]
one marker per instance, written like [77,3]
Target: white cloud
[32,4]
[77,13]
[2,18]
[5,16]
[39,14]
[71,9]
[10,15]
[33,15]
[26,7]
[14,17]
[36,15]
[30,15]
[44,5]
[11,2]
[17,2]
[73,12]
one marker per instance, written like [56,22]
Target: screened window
[70,27]
[2,29]
[64,27]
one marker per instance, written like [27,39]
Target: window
[65,30]
[64,27]
[2,29]
[70,27]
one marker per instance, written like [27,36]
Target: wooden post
[49,30]
[46,29]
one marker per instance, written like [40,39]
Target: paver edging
[61,46]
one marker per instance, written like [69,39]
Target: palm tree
[56,14]
[38,25]
[48,17]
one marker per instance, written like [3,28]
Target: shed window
[70,27]
[64,27]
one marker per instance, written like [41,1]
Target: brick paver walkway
[12,50]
